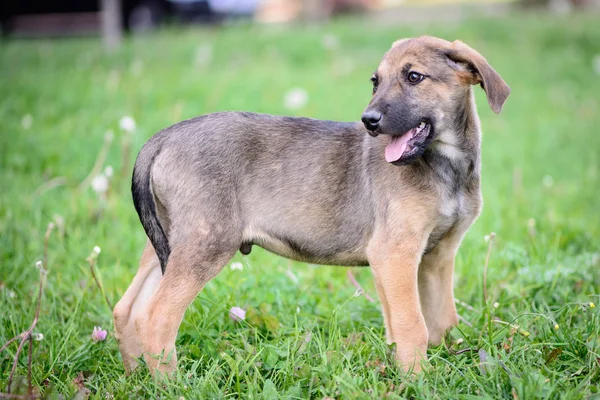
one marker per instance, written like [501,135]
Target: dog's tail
[143,199]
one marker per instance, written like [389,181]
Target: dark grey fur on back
[256,175]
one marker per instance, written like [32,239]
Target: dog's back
[259,174]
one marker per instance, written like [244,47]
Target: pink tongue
[397,146]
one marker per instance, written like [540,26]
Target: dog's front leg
[436,289]
[395,268]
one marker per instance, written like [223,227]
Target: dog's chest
[452,209]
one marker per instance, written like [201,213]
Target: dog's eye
[375,82]
[415,77]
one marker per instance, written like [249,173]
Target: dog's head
[421,88]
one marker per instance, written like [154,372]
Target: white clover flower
[37,336]
[137,67]
[237,314]
[204,55]
[127,124]
[99,334]
[236,266]
[560,7]
[330,41]
[27,121]
[40,266]
[295,99]
[548,181]
[489,237]
[100,184]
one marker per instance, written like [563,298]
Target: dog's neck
[455,156]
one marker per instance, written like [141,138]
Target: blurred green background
[306,334]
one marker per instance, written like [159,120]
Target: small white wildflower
[295,99]
[459,340]
[291,275]
[100,184]
[486,238]
[27,121]
[204,55]
[127,124]
[330,41]
[236,266]
[97,250]
[108,171]
[37,336]
[11,294]
[548,181]
[596,64]
[40,266]
[560,7]
[496,305]
[137,67]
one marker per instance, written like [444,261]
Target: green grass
[309,337]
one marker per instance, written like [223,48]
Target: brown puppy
[319,191]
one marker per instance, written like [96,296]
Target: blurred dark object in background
[82,17]
[69,17]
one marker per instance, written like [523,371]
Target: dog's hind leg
[192,263]
[136,296]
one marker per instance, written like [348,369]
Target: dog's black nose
[371,119]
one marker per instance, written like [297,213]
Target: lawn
[308,333]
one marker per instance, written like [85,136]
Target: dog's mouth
[409,145]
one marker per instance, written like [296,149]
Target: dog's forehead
[421,50]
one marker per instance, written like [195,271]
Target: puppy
[397,193]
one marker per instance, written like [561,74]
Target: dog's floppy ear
[474,68]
